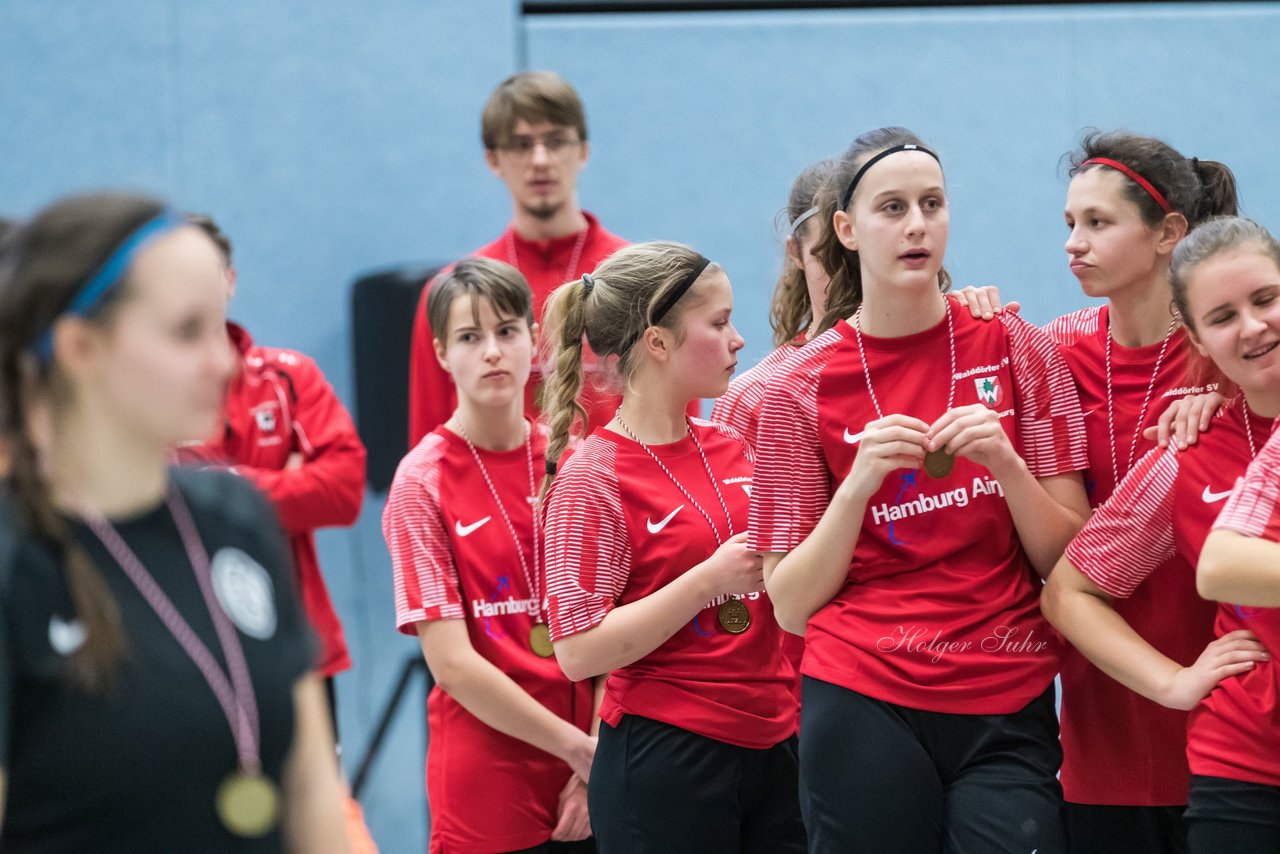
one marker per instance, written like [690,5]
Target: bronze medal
[939,463]
[540,641]
[733,616]
[248,804]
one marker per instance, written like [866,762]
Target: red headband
[1137,179]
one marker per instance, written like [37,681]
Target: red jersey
[454,559]
[940,610]
[278,404]
[618,529]
[740,405]
[546,265]
[1119,747]
[1235,731]
[1165,506]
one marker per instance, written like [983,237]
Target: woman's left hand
[973,432]
[572,823]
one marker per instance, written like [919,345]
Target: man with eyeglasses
[535,139]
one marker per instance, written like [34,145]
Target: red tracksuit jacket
[279,404]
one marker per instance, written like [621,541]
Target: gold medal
[248,804]
[939,463]
[733,616]
[540,641]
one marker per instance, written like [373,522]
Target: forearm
[1044,517]
[316,495]
[810,575]
[630,632]
[1094,627]
[313,790]
[1240,570]
[501,704]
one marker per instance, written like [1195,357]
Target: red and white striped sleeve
[586,549]
[1254,505]
[1050,421]
[1070,328]
[790,487]
[425,576]
[742,402]
[1131,535]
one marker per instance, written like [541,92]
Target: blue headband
[110,274]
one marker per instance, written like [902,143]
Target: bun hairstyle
[791,312]
[44,264]
[844,294]
[1197,189]
[610,308]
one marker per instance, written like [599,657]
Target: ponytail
[93,665]
[565,318]
[1219,195]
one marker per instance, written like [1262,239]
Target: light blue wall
[333,137]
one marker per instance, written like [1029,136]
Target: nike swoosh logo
[655,527]
[65,636]
[853,438]
[1212,497]
[467,530]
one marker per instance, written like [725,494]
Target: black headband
[853,185]
[700,263]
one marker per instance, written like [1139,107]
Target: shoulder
[296,366]
[221,495]
[594,462]
[421,466]
[602,240]
[1070,328]
[715,432]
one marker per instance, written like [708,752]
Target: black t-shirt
[136,769]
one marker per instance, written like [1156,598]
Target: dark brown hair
[42,266]
[791,312]
[844,294]
[483,278]
[205,223]
[536,97]
[1197,189]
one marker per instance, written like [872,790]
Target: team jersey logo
[744,482]
[989,391]
[468,530]
[1211,497]
[655,527]
[65,636]
[244,590]
[266,419]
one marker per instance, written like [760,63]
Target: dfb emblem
[266,419]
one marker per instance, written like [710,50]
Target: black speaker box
[383,305]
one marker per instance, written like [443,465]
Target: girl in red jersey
[1228,296]
[955,443]
[509,751]
[1130,201]
[649,577]
[797,312]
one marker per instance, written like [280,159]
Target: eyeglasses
[555,144]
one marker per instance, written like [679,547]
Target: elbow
[1210,581]
[790,621]
[1054,598]
[575,669]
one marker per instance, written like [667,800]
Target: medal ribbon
[532,579]
[866,371]
[236,696]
